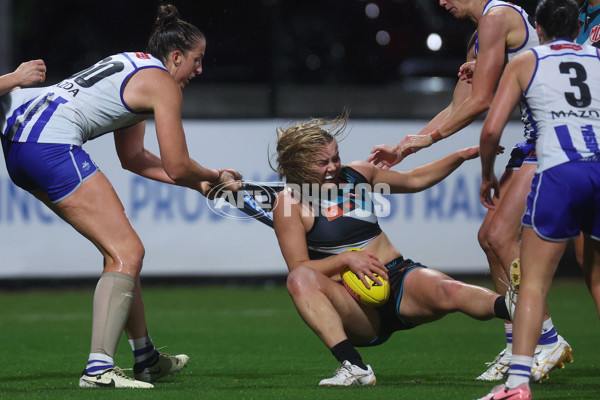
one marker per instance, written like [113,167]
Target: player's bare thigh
[96,212]
[513,199]
[420,300]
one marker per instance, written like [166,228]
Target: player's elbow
[128,162]
[128,166]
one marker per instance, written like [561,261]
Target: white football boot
[497,369]
[548,358]
[165,365]
[111,378]
[350,375]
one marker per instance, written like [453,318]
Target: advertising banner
[182,235]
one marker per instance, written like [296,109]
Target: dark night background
[270,49]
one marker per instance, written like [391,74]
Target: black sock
[344,351]
[500,308]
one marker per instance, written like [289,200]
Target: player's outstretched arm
[419,178]
[386,156]
[154,90]
[425,176]
[469,100]
[28,73]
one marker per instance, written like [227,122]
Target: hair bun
[167,15]
[562,15]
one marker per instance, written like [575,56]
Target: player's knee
[448,290]
[300,279]
[137,257]
[129,260]
[482,237]
[499,237]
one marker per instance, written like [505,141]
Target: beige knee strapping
[112,301]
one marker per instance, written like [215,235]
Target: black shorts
[389,319]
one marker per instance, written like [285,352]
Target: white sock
[508,328]
[520,371]
[549,336]
[98,363]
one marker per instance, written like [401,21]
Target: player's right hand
[489,184]
[466,71]
[229,181]
[470,152]
[31,73]
[384,156]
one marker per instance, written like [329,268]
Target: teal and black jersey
[590,28]
[345,219]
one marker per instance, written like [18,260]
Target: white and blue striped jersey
[531,40]
[82,107]
[564,102]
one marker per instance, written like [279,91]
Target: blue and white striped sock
[549,335]
[143,350]
[508,328]
[98,363]
[520,371]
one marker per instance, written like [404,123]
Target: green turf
[249,343]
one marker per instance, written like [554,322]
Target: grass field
[249,343]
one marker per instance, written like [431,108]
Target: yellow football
[374,297]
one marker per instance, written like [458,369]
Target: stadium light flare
[434,42]
[372,10]
[382,38]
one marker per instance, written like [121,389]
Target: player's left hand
[365,264]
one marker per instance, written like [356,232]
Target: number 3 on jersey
[578,82]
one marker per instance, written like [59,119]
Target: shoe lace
[508,285]
[511,293]
[163,353]
[344,369]
[119,372]
[497,359]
